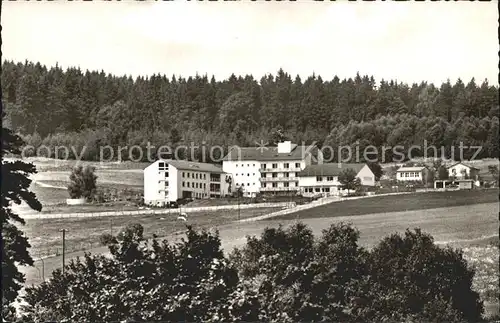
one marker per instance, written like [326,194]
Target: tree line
[71,107]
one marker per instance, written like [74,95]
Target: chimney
[284,147]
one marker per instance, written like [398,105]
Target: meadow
[83,233]
[397,203]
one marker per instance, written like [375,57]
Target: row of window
[285,165]
[284,184]
[194,185]
[328,178]
[317,189]
[194,175]
[275,175]
[199,195]
[264,175]
[243,184]
[243,165]
[273,165]
[410,174]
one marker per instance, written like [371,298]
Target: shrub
[188,281]
[82,182]
[285,275]
[107,239]
[421,279]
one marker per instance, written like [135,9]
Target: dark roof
[194,166]
[268,153]
[330,169]
[462,164]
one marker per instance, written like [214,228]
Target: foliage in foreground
[285,275]
[15,190]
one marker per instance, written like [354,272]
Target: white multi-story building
[171,180]
[324,178]
[269,169]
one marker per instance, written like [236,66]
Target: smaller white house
[462,171]
[323,178]
[170,180]
[412,174]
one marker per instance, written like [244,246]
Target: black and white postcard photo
[250,161]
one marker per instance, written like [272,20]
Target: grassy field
[396,203]
[83,233]
[471,227]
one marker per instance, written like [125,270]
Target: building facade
[271,170]
[324,179]
[462,171]
[170,180]
[412,174]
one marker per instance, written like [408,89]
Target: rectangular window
[287,165]
[275,184]
[317,189]
[187,184]
[275,175]
[329,178]
[297,165]
[286,174]
[187,175]
[275,165]
[286,184]
[183,174]
[319,178]
[183,184]
[263,166]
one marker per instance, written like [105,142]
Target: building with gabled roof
[462,171]
[323,178]
[170,180]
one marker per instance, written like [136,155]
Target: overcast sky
[410,41]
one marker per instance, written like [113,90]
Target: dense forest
[71,107]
